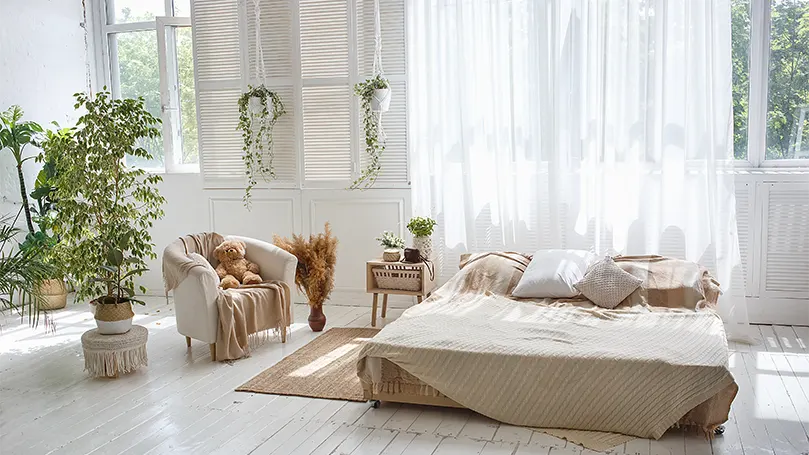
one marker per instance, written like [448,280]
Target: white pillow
[553,274]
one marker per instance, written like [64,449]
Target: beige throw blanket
[246,314]
[636,370]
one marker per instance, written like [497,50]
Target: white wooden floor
[184,403]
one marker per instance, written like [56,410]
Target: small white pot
[380,100]
[255,105]
[424,245]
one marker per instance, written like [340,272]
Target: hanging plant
[256,123]
[374,96]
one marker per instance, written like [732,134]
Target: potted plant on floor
[106,207]
[393,245]
[317,257]
[422,228]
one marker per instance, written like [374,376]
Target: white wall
[42,64]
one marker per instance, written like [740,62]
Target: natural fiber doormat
[324,368]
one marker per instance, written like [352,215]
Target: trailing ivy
[370,124]
[256,128]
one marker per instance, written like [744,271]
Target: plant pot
[380,100]
[255,105]
[317,320]
[391,255]
[54,294]
[424,245]
[113,318]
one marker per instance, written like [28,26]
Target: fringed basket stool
[108,355]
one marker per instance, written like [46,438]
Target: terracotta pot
[54,294]
[113,318]
[317,320]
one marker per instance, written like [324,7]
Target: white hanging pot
[380,100]
[255,105]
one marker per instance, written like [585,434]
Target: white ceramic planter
[254,105]
[424,245]
[380,100]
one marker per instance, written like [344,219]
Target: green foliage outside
[140,77]
[788,92]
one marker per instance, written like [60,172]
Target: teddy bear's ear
[218,250]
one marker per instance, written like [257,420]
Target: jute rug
[324,368]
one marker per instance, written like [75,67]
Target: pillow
[606,284]
[553,274]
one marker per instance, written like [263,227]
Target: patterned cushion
[606,284]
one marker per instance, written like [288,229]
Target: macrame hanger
[378,71]
[261,72]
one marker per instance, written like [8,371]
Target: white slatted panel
[277,39]
[216,41]
[219,139]
[743,209]
[327,133]
[392,21]
[394,124]
[284,138]
[324,38]
[787,255]
[217,57]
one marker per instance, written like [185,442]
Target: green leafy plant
[102,201]
[390,240]
[21,273]
[421,226]
[370,124]
[15,135]
[256,127]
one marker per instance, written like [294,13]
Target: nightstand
[398,278]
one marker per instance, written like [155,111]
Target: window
[314,51]
[770,42]
[148,52]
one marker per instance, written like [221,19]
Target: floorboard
[184,403]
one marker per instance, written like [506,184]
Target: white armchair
[195,297]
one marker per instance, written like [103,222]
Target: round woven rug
[324,368]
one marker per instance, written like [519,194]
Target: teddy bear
[233,268]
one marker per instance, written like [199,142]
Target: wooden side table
[426,283]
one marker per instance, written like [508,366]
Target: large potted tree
[106,207]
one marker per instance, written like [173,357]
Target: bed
[659,359]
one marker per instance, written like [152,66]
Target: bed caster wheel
[376,404]
[719,430]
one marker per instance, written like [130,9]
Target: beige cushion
[606,284]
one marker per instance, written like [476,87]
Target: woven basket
[398,277]
[111,312]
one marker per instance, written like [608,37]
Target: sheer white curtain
[576,124]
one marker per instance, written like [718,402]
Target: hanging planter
[259,109]
[374,97]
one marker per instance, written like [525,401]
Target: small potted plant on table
[106,207]
[422,229]
[393,245]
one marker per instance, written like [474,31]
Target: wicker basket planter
[398,277]
[113,318]
[54,294]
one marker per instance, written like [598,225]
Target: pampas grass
[317,256]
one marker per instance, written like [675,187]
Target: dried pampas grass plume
[316,259]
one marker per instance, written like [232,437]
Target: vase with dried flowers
[317,256]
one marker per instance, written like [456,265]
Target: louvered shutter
[326,92]
[786,263]
[278,48]
[394,122]
[217,58]
[743,210]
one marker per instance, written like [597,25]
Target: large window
[147,48]
[771,81]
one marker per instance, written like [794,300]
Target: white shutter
[217,63]
[394,122]
[278,48]
[324,38]
[327,133]
[743,211]
[787,240]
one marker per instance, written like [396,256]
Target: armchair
[195,297]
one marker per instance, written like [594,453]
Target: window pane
[788,103]
[123,11]
[740,36]
[188,101]
[138,75]
[182,8]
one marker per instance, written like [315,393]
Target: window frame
[759,85]
[108,59]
